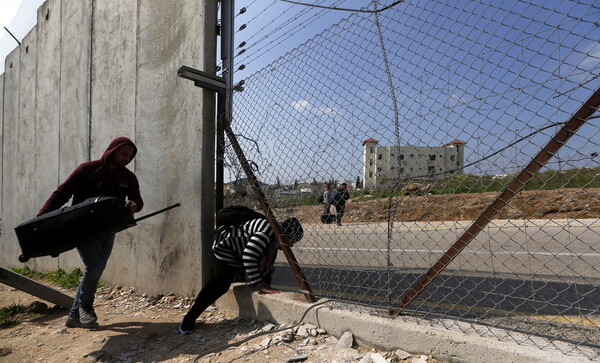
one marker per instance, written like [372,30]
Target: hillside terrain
[542,204]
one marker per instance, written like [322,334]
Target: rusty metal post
[515,186]
[269,214]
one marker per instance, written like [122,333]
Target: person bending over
[251,245]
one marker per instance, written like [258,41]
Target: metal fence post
[515,186]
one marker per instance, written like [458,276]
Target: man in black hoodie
[107,177]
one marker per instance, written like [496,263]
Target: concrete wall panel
[10,199]
[74,135]
[25,207]
[113,73]
[169,134]
[1,151]
[113,103]
[74,85]
[47,140]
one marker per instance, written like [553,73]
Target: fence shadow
[453,293]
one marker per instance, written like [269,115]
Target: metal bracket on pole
[203,79]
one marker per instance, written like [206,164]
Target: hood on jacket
[115,144]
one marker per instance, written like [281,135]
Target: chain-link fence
[429,114]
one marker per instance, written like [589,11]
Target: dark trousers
[216,287]
[339,210]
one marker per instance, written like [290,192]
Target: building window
[451,157]
[411,169]
[401,156]
[370,162]
[379,169]
[432,157]
[380,156]
[392,155]
[393,168]
[431,169]
[402,170]
[370,174]
[412,155]
[371,150]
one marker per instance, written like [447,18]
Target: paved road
[539,266]
[556,249]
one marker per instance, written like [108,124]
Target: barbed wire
[362,10]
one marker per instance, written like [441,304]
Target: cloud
[592,58]
[457,99]
[301,105]
[304,105]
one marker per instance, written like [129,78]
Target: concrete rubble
[279,343]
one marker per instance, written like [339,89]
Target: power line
[345,9]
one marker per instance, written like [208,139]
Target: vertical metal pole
[220,153]
[224,101]
[227,24]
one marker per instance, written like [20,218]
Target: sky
[19,16]
[461,70]
[8,9]
[483,72]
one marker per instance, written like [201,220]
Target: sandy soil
[141,328]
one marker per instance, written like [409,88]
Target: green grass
[60,277]
[8,312]
[547,180]
[27,272]
[65,280]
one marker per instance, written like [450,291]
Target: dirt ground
[139,328]
[543,204]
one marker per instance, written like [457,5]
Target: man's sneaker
[87,317]
[73,320]
[185,327]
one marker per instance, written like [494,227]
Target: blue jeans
[94,255]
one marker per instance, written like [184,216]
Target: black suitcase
[327,218]
[66,228]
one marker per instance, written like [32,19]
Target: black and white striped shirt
[244,245]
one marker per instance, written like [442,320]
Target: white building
[384,165]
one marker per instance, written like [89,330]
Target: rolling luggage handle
[157,212]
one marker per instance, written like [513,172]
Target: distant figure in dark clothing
[340,202]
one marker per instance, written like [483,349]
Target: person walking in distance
[107,176]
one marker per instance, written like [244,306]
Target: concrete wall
[94,70]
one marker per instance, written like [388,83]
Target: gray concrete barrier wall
[91,71]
